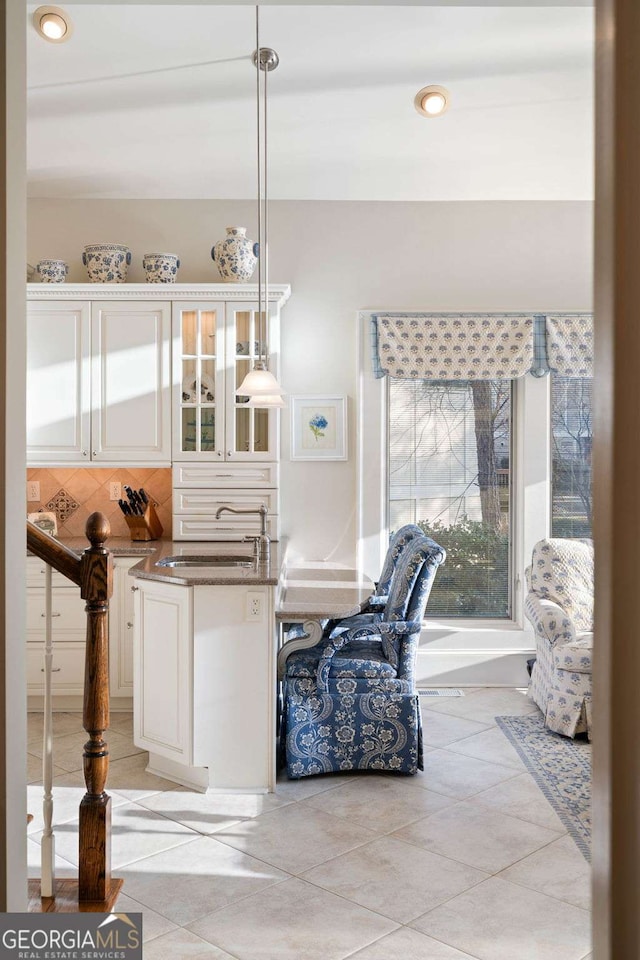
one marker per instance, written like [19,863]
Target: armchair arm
[390,629]
[549,620]
[373,604]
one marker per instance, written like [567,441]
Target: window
[449,456]
[571,442]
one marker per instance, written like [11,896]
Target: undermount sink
[206,561]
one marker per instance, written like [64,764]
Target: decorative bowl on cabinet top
[52,271]
[106,262]
[235,256]
[161,267]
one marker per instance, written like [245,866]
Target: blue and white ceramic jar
[235,256]
[161,267]
[52,271]
[106,262]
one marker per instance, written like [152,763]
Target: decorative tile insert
[63,505]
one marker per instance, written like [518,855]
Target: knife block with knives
[140,514]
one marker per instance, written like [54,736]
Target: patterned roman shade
[570,344]
[455,347]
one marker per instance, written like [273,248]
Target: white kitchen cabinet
[205,684]
[98,382]
[130,382]
[163,670]
[215,344]
[219,441]
[121,613]
[58,382]
[69,630]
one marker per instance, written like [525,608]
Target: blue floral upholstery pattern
[559,605]
[350,702]
[373,607]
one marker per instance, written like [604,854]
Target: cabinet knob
[129,624]
[219,452]
[84,453]
[93,453]
[133,589]
[229,453]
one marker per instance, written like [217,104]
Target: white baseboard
[473,668]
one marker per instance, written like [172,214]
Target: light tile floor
[466,861]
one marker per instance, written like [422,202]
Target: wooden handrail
[61,558]
[93,572]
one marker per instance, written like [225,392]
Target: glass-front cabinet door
[198,363]
[215,345]
[251,432]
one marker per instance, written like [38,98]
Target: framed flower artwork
[318,428]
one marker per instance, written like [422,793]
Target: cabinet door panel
[198,380]
[131,402]
[163,670]
[68,616]
[251,433]
[58,378]
[121,615]
[68,670]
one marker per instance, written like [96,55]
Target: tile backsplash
[73,493]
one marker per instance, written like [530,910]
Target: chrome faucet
[262,544]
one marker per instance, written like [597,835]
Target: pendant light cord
[260,240]
[266,230]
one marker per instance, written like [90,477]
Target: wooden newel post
[96,587]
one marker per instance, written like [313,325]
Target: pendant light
[260,385]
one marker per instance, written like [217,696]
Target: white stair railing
[48,845]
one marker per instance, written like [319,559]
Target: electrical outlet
[115,490]
[33,490]
[255,606]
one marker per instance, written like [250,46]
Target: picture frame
[318,428]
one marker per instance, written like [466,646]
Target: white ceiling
[158,101]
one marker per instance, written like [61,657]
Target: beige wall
[339,258]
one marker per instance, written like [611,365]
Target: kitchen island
[205,664]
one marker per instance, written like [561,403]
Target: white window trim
[461,651]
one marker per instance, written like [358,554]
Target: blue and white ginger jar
[107,262]
[235,256]
[161,267]
[52,271]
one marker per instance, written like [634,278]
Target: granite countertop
[265,574]
[150,551]
[315,590]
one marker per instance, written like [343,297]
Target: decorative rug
[562,769]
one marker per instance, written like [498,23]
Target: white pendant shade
[268,401]
[259,383]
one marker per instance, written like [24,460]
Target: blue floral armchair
[350,702]
[372,608]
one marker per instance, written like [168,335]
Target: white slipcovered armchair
[559,605]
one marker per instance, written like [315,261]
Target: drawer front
[233,475]
[193,527]
[198,501]
[36,575]
[68,666]
[67,611]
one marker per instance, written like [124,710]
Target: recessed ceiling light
[53,24]
[432,101]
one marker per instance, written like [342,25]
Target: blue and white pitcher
[235,256]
